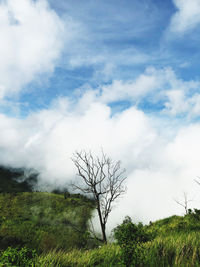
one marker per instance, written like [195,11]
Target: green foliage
[130,238]
[22,257]
[48,223]
[174,250]
[105,256]
[173,241]
[43,221]
[128,231]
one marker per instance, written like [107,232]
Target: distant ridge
[13,180]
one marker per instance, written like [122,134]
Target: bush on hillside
[131,238]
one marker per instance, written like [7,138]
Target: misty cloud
[159,165]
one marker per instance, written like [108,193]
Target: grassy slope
[187,223]
[176,243]
[43,221]
[46,221]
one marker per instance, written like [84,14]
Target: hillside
[44,221]
[176,224]
[56,226]
[171,242]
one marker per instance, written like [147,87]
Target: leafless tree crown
[101,177]
[185,202]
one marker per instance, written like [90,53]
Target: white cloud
[195,104]
[160,165]
[177,102]
[131,90]
[159,84]
[48,138]
[186,17]
[31,41]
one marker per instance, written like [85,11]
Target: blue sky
[122,75]
[113,40]
[104,41]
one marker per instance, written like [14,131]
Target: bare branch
[184,203]
[103,178]
[198,182]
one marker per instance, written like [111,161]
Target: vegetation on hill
[51,229]
[104,256]
[44,221]
[173,241]
[178,224]
[172,251]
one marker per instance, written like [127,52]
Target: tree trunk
[103,227]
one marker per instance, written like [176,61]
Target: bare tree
[198,182]
[103,179]
[185,202]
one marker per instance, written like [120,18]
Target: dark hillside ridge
[14,180]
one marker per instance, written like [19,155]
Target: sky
[118,75]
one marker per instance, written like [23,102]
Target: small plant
[22,257]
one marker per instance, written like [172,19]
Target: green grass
[170,251]
[43,221]
[190,222]
[174,250]
[105,256]
[57,228]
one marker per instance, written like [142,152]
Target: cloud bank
[161,162]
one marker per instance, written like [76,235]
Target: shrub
[22,257]
[131,237]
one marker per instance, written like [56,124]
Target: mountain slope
[44,221]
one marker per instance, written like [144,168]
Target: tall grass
[180,249]
[105,256]
[170,251]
